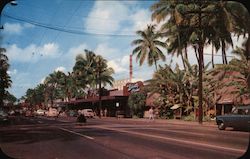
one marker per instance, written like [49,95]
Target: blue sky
[105,27]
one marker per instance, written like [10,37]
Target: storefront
[112,101]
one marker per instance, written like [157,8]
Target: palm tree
[69,87]
[52,83]
[191,15]
[103,76]
[149,46]
[92,70]
[84,68]
[5,81]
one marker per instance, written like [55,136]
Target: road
[108,138]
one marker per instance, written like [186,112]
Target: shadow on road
[33,136]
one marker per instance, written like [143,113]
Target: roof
[95,99]
[229,94]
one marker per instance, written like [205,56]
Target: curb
[169,121]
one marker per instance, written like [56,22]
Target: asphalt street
[108,138]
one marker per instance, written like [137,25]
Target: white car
[40,112]
[88,113]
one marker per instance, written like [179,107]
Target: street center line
[76,133]
[176,140]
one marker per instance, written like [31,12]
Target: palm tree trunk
[100,87]
[100,98]
[155,65]
[196,54]
[183,61]
[224,57]
[201,63]
[212,55]
[186,55]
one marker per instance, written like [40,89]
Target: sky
[42,36]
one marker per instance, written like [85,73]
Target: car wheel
[221,126]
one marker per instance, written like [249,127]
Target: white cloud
[74,51]
[106,17]
[125,60]
[60,68]
[141,18]
[117,68]
[106,51]
[21,82]
[50,49]
[32,53]
[12,72]
[16,28]
[43,80]
[120,17]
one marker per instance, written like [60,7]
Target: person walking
[105,112]
[151,114]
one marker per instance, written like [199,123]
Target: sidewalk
[165,121]
[144,120]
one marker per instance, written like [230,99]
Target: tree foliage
[136,103]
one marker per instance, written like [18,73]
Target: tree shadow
[29,136]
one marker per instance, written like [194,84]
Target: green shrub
[190,117]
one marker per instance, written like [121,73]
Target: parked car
[238,119]
[88,113]
[4,117]
[11,112]
[40,112]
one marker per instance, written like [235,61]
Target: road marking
[175,140]
[40,122]
[76,133]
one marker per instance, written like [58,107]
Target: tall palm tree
[69,87]
[193,15]
[84,68]
[52,83]
[103,76]
[94,72]
[149,46]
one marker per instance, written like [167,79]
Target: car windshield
[140,79]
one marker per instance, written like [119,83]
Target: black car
[238,119]
[3,117]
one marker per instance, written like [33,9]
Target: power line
[71,31]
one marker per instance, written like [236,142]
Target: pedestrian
[151,114]
[105,112]
[101,113]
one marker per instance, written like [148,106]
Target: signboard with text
[132,87]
